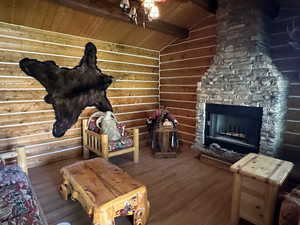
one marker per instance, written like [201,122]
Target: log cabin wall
[287,60]
[182,65]
[25,119]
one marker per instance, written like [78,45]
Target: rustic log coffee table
[105,191]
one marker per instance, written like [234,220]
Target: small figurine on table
[163,121]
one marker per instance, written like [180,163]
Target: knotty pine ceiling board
[182,13]
[47,15]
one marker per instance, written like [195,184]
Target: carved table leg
[142,213]
[64,190]
[147,211]
[104,216]
[86,153]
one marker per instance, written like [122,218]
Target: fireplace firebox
[233,127]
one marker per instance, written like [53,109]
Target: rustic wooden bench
[105,191]
[19,202]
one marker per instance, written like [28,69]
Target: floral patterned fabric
[94,123]
[18,204]
[125,142]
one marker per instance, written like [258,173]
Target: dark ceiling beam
[289,4]
[99,8]
[271,7]
[209,5]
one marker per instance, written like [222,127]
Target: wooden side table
[163,135]
[257,179]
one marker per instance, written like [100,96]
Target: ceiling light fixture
[140,11]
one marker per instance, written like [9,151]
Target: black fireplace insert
[233,127]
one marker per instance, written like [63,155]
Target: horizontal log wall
[25,119]
[182,65]
[287,60]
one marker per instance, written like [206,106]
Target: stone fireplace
[233,127]
[243,74]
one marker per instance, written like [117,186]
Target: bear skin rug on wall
[71,90]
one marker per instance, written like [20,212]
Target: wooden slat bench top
[100,180]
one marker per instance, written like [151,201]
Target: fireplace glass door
[233,127]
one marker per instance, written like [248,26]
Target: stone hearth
[243,72]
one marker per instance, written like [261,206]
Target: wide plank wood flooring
[182,191]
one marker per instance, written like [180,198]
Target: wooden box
[105,191]
[257,179]
[163,138]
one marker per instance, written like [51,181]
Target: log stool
[105,191]
[257,179]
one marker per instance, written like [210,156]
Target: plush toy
[109,126]
[71,90]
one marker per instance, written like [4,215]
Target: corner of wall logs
[182,64]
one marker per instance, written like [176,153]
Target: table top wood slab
[101,180]
[264,168]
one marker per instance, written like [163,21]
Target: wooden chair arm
[22,159]
[135,133]
[20,154]
[8,155]
[92,133]
[136,145]
[136,136]
[100,136]
[131,131]
[104,145]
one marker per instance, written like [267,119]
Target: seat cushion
[11,174]
[125,142]
[18,204]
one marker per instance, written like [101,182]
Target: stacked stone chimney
[243,72]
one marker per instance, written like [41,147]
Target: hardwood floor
[182,191]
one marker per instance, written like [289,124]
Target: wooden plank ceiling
[52,15]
